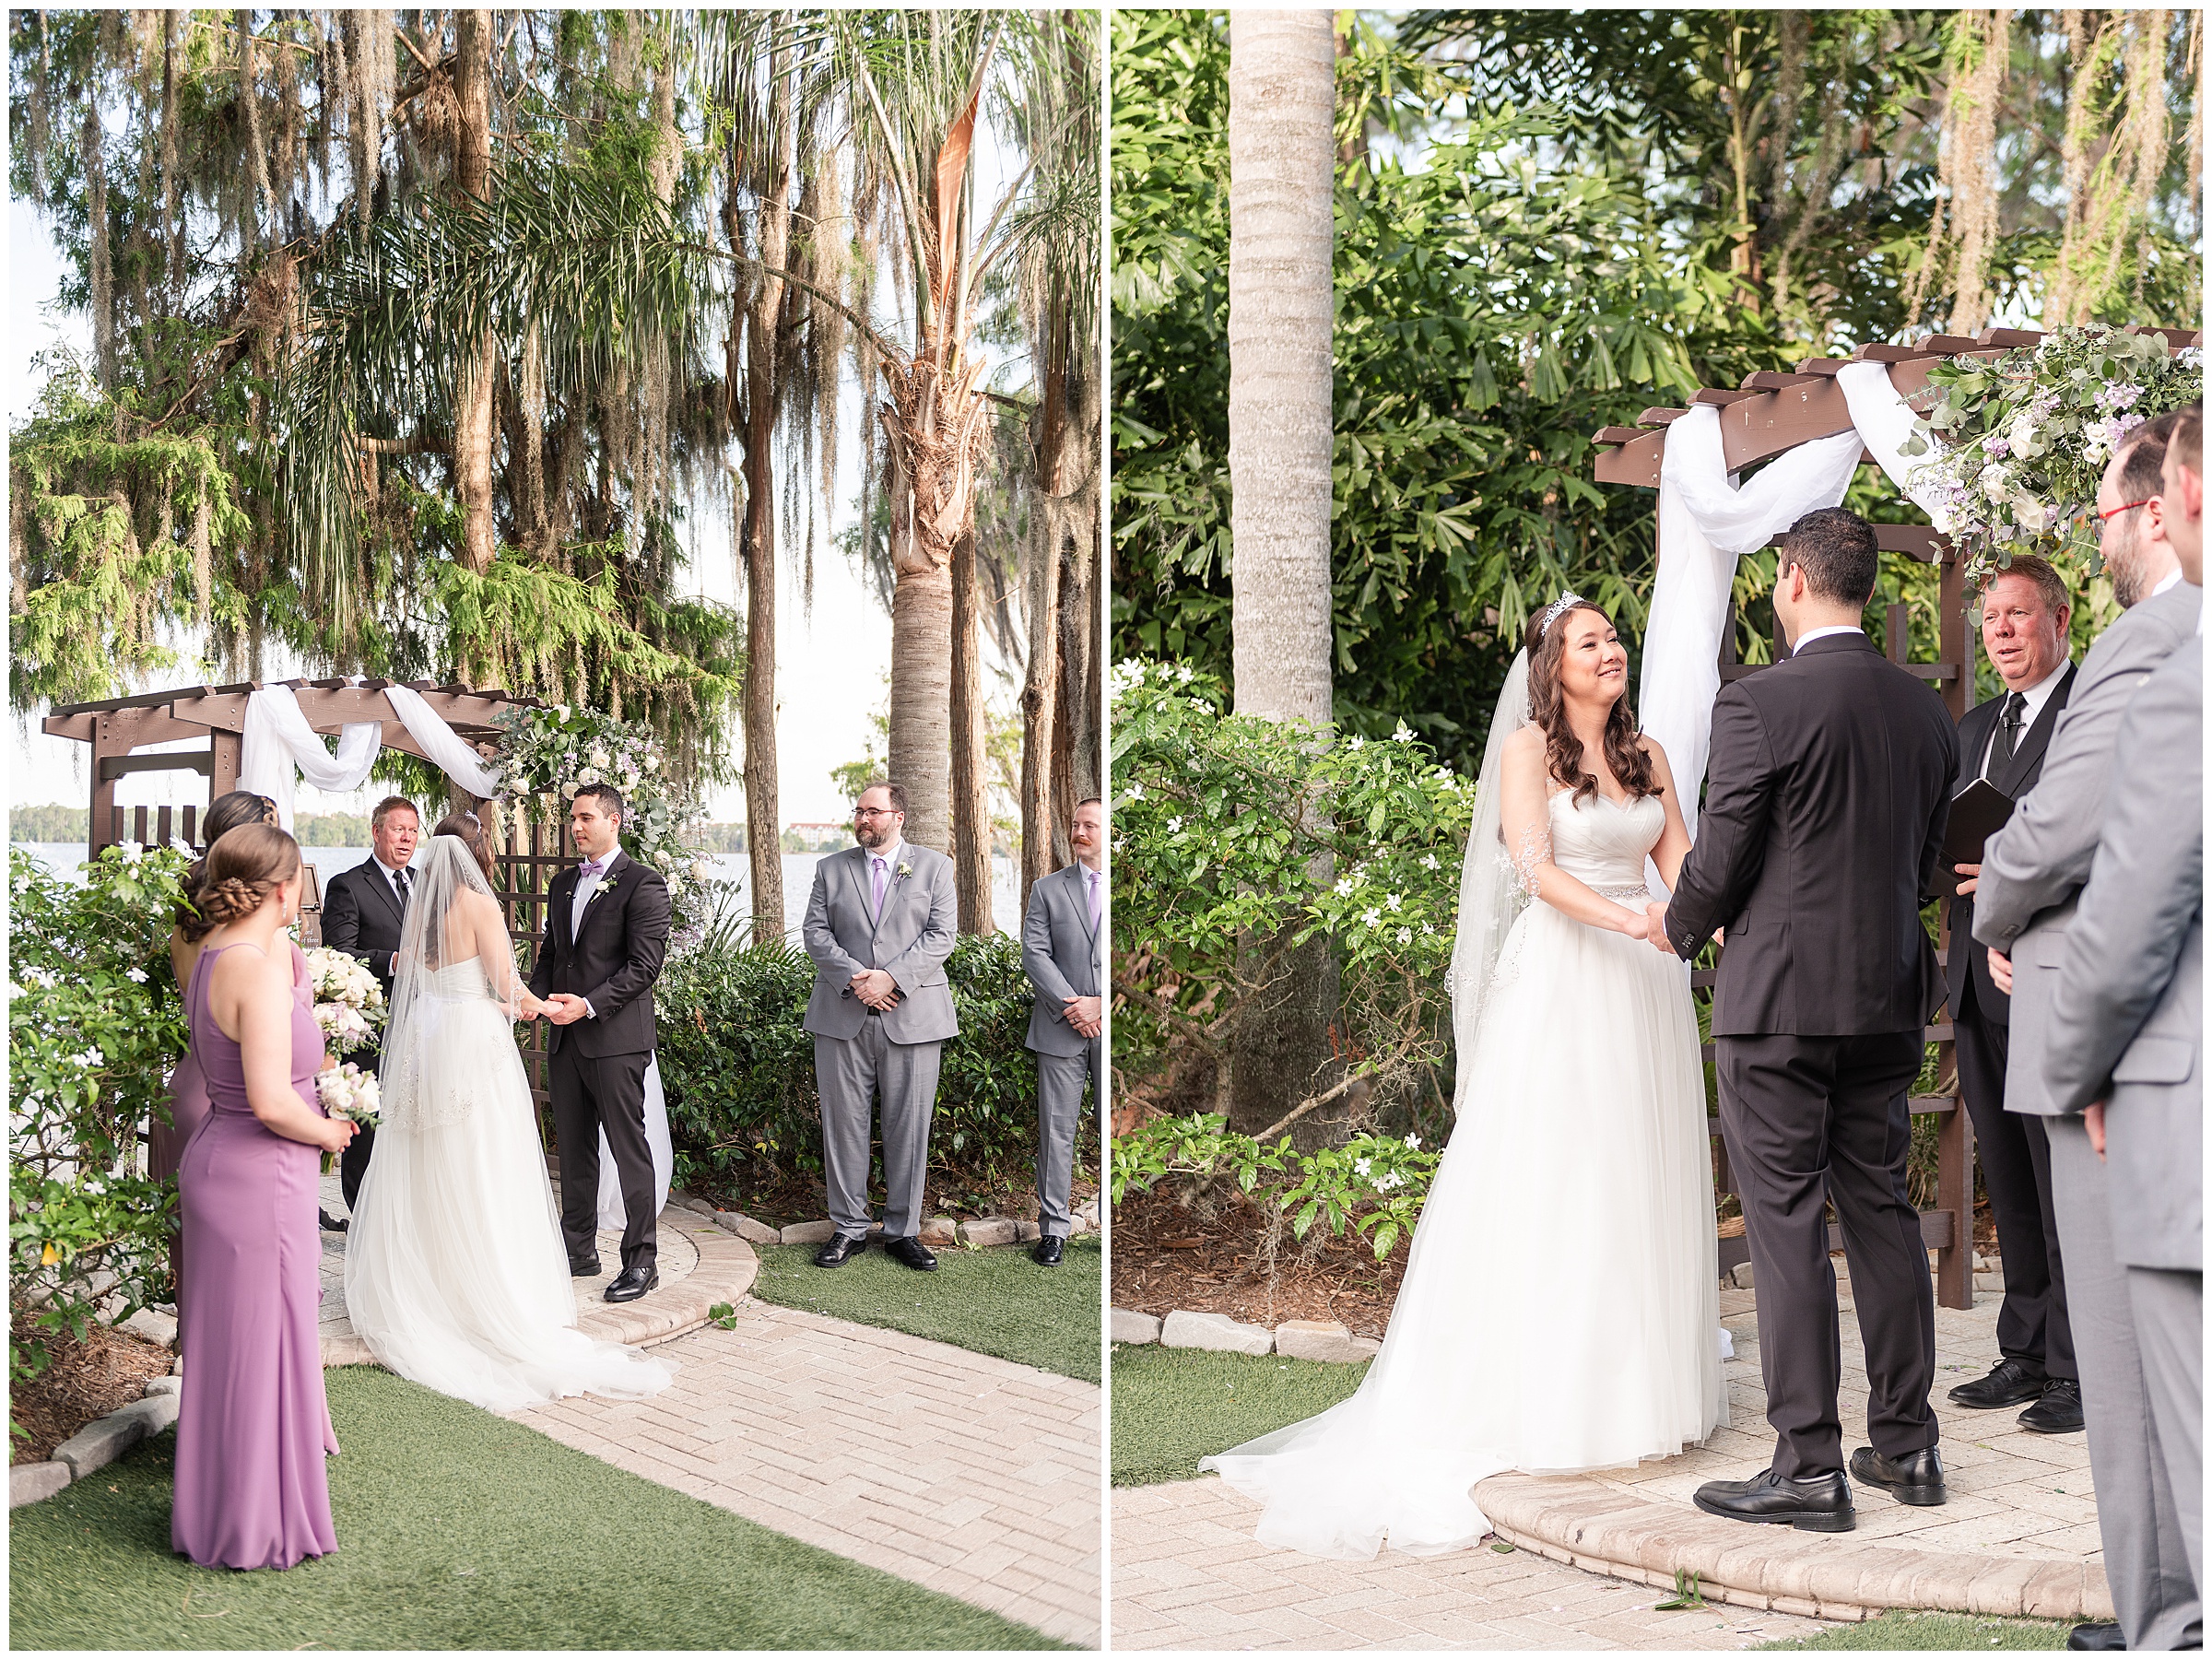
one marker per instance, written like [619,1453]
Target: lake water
[798,876]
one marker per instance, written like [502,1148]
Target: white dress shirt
[392,880]
[1810,635]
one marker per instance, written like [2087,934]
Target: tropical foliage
[1230,829]
[94,1026]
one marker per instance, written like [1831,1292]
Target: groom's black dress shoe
[1916,1478]
[2096,1637]
[2008,1384]
[631,1284]
[840,1248]
[584,1270]
[1048,1251]
[2059,1412]
[1816,1505]
[911,1252]
[331,1224]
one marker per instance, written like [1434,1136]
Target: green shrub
[94,1028]
[738,1064]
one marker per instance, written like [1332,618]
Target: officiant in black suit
[1825,801]
[2025,609]
[607,936]
[363,910]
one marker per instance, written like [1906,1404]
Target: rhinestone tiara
[1565,603]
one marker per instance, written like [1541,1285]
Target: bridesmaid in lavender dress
[253,1424]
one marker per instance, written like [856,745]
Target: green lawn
[1172,1406]
[457,1529]
[996,1302]
[1905,1629]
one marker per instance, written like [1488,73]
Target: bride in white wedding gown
[455,1274]
[1560,1303]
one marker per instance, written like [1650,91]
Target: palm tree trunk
[1040,683]
[763,826]
[970,795]
[474,427]
[1281,306]
[921,735]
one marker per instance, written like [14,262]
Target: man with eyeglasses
[2031,882]
[880,923]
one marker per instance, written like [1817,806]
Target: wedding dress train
[456,1277]
[1560,1300]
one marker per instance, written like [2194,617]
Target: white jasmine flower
[1136,792]
[1343,886]
[136,976]
[1183,674]
[1404,734]
[1391,900]
[1358,742]
[1414,1142]
[1405,936]
[1175,824]
[1428,862]
[1360,1166]
[1371,917]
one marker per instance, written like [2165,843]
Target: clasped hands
[563,1009]
[1651,927]
[875,988]
[1086,1016]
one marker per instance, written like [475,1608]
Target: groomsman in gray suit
[2127,1025]
[879,925]
[1063,953]
[2032,872]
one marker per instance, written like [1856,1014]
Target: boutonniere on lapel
[905,869]
[606,884]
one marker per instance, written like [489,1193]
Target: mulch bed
[1168,1256]
[83,1382]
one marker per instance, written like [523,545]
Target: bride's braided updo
[1546,643]
[242,868]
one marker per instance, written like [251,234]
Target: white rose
[1996,482]
[598,758]
[589,775]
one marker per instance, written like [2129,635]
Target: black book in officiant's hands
[1977,812]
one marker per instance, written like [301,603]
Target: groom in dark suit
[2024,614]
[364,910]
[606,934]
[1825,805]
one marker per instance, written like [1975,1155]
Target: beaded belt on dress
[1637,895]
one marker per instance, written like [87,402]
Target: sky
[833,659]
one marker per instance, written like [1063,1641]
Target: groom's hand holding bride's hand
[1655,917]
[565,1008]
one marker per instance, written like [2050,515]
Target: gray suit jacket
[2127,1022]
[1062,957]
[909,942]
[2033,868]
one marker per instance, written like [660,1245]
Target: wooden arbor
[1771,413]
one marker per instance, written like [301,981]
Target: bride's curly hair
[468,829]
[1547,709]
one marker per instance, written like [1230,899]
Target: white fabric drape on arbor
[1885,421]
[1706,523]
[280,746]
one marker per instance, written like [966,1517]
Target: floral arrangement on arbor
[349,1004]
[2018,443]
[557,752]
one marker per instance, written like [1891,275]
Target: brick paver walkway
[1187,1572]
[970,1475]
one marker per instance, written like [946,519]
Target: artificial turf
[1172,1406]
[457,1529]
[996,1302]
[1906,1629]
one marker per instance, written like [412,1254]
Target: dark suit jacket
[1975,729]
[1825,801]
[362,917]
[611,962]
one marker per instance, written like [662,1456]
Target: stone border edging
[1818,1576]
[726,1271]
[98,1444]
[1192,1329]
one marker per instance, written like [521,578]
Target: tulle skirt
[455,1274]
[1560,1308]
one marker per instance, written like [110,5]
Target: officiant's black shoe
[1916,1478]
[842,1249]
[2009,1384]
[583,1267]
[1048,1251]
[2096,1637]
[631,1284]
[1816,1505]
[911,1252]
[331,1224]
[2059,1412]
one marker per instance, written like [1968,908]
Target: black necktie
[399,880]
[2008,728]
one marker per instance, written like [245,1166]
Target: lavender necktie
[1097,899]
[876,859]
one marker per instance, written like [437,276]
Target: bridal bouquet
[346,1091]
[349,1004]
[2017,443]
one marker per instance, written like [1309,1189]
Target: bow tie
[592,867]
